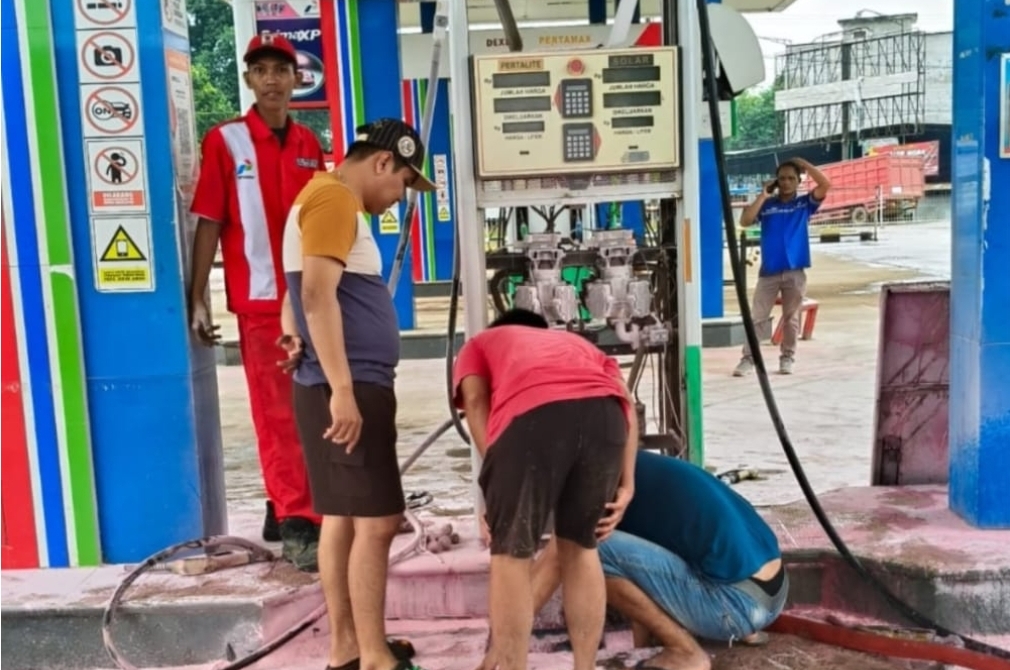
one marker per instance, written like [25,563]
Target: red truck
[885,186]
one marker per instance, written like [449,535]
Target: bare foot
[669,659]
[758,639]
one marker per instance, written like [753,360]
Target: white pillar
[469,219]
[243,14]
[689,225]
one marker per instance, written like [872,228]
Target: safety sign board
[182,124]
[174,18]
[122,254]
[442,183]
[389,221]
[116,180]
[104,14]
[111,110]
[107,55]
[287,9]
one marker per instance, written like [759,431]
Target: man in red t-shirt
[552,417]
[252,169]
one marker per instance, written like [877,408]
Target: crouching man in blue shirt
[784,218]
[690,557]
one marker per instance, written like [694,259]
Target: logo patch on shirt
[245,170]
[310,163]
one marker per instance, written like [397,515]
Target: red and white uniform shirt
[248,182]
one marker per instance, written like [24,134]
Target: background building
[878,81]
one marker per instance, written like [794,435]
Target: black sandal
[402,650]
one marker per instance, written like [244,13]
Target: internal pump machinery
[619,294]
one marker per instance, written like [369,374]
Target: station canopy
[525,11]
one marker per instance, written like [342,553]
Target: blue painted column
[125,91]
[381,96]
[980,254]
[711,229]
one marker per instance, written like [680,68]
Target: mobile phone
[772,187]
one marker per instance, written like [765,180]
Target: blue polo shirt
[692,514]
[785,238]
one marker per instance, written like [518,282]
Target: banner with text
[306,36]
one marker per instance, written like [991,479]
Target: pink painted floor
[440,599]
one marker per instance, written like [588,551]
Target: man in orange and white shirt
[252,169]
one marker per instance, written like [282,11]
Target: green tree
[757,125]
[215,73]
[212,105]
[319,121]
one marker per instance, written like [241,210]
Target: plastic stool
[808,318]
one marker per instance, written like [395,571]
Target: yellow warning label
[122,248]
[443,213]
[136,276]
[389,222]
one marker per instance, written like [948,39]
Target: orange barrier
[808,316]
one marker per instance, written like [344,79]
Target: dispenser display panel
[593,111]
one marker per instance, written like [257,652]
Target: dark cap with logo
[270,44]
[402,141]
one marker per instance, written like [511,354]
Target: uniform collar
[257,126]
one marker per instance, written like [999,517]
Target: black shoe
[300,538]
[271,531]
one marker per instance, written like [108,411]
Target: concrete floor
[827,405]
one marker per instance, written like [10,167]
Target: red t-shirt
[529,367]
[248,182]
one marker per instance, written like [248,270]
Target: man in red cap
[252,169]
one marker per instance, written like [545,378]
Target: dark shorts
[563,458]
[366,482]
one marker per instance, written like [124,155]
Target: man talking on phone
[784,217]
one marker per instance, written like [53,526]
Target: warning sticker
[123,254]
[116,180]
[440,164]
[107,56]
[389,221]
[111,110]
[104,14]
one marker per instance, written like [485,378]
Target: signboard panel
[123,261]
[98,14]
[577,112]
[116,180]
[306,36]
[174,18]
[415,49]
[107,56]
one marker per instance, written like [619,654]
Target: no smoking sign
[107,56]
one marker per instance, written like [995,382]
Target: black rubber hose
[498,279]
[450,344]
[906,610]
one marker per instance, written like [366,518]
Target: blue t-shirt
[785,238]
[689,512]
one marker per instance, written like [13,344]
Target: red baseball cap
[267,42]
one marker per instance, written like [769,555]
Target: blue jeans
[709,610]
